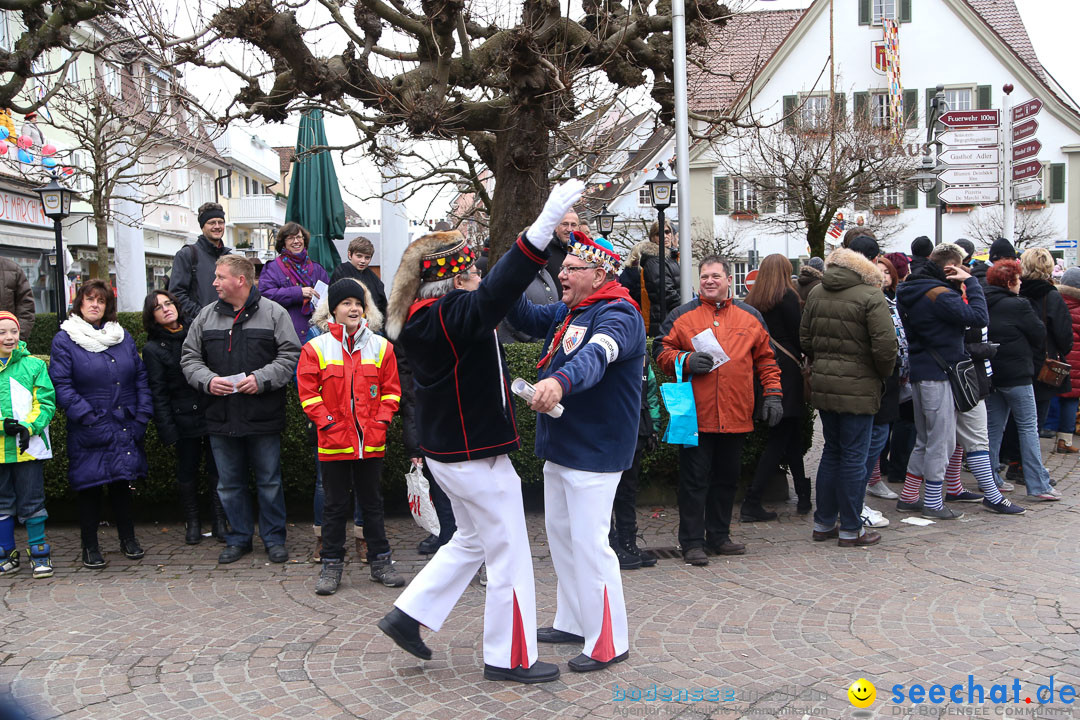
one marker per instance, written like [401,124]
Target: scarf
[610,291]
[90,338]
[298,268]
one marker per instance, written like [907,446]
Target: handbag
[678,398]
[420,506]
[963,379]
[1053,372]
[804,368]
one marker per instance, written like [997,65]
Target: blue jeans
[1020,401]
[261,454]
[22,490]
[841,478]
[320,499]
[1066,421]
[879,438]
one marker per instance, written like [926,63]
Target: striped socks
[932,499]
[953,486]
[912,486]
[979,462]
[875,474]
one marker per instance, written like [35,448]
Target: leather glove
[651,442]
[14,427]
[699,363]
[772,409]
[559,202]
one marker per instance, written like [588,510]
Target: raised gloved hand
[559,202]
[699,363]
[14,427]
[772,409]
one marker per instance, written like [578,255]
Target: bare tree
[1030,228]
[725,241]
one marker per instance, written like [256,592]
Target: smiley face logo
[862,693]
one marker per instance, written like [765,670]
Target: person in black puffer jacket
[642,277]
[1036,264]
[178,411]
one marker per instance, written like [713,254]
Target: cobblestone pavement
[781,631]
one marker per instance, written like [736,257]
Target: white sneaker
[872,518]
[1007,487]
[881,489]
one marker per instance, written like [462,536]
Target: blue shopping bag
[678,397]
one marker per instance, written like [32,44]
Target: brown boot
[1065,448]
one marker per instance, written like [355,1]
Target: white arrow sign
[1027,189]
[970,137]
[970,176]
[969,195]
[977,156]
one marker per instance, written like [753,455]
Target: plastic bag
[420,505]
[678,397]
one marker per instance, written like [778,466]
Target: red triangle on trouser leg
[519,649]
[604,649]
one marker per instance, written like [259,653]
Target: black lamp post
[56,203]
[660,187]
[605,220]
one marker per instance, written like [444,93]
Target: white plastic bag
[420,505]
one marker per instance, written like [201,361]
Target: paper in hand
[706,342]
[233,379]
[321,289]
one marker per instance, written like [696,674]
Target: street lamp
[660,188]
[56,203]
[926,179]
[605,220]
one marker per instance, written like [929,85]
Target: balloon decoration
[4,132]
[25,157]
[24,142]
[69,171]
[3,148]
[48,151]
[48,162]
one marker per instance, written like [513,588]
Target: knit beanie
[345,288]
[969,248]
[1002,249]
[922,247]
[816,263]
[900,262]
[865,246]
[5,315]
[1071,277]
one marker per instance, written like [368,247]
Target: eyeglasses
[474,271]
[163,305]
[569,269]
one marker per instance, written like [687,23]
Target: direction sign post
[1026,109]
[1027,189]
[970,194]
[1025,170]
[974,156]
[970,175]
[1026,149]
[1024,130]
[970,118]
[972,138]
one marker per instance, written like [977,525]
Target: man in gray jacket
[192,277]
[242,352]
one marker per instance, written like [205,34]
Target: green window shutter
[984,97]
[1057,183]
[864,12]
[790,103]
[911,197]
[905,11]
[839,107]
[931,198]
[721,195]
[930,93]
[911,108]
[862,106]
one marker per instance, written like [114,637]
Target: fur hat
[432,257]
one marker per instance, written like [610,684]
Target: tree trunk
[521,177]
[101,226]
[815,237]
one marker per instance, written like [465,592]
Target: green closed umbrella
[314,196]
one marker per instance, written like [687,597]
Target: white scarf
[88,337]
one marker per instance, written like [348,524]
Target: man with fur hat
[848,333]
[444,317]
[642,276]
[592,363]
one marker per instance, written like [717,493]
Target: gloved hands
[772,409]
[14,427]
[651,443]
[559,202]
[698,363]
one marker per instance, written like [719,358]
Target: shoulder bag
[1053,372]
[963,379]
[804,368]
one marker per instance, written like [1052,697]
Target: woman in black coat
[642,277]
[1036,266]
[178,411]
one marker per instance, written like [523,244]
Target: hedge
[297,455]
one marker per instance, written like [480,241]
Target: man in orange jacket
[724,343]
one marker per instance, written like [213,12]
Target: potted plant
[959,208]
[885,210]
[744,215]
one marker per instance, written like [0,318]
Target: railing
[257,210]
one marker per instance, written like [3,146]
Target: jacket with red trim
[598,364]
[350,396]
[464,409]
[725,396]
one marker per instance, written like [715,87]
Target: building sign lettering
[22,210]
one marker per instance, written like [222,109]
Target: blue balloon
[48,162]
[25,157]
[4,132]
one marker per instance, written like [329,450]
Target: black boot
[752,511]
[221,524]
[647,558]
[189,501]
[802,490]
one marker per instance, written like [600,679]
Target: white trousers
[589,596]
[486,497]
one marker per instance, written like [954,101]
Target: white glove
[559,202]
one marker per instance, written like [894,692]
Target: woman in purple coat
[101,384]
[289,279]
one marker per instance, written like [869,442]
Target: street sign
[970,137]
[1064,244]
[751,278]
[1027,189]
[1025,150]
[969,176]
[971,118]
[1026,109]
[1024,129]
[1025,170]
[969,194]
[975,156]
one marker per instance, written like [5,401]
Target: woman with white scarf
[101,384]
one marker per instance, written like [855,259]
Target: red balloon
[48,150]
[3,148]
[69,171]
[25,142]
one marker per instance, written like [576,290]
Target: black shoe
[221,523]
[1015,474]
[91,558]
[648,559]
[726,548]
[189,500]
[804,507]
[551,635]
[695,556]
[540,672]
[753,512]
[131,548]
[192,532]
[429,545]
[584,663]
[232,553]
[627,559]
[277,553]
[405,632]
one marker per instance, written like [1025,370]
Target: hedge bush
[297,455]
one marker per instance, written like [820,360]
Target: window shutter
[839,107]
[768,195]
[930,93]
[862,202]
[984,97]
[911,197]
[790,102]
[864,12]
[911,108]
[721,195]
[931,198]
[1057,183]
[862,106]
[905,11]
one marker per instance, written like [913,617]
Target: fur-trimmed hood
[407,277]
[809,275]
[646,247]
[1069,292]
[845,268]
[374,317]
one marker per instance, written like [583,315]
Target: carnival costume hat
[433,257]
[598,251]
